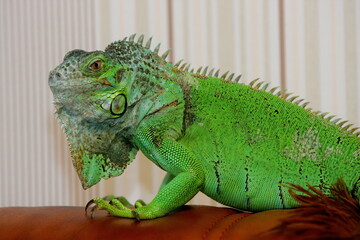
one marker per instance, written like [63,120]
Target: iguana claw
[92,209]
[116,206]
[88,205]
[135,215]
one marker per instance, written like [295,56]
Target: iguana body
[236,143]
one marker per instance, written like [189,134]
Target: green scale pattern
[263,141]
[237,143]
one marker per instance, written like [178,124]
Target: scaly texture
[236,143]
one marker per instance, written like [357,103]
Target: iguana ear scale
[118,105]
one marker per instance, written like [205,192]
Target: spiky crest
[205,70]
[211,72]
[200,72]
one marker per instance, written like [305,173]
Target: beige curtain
[311,47]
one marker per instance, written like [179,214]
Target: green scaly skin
[236,143]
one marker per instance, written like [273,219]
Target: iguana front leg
[168,177]
[176,160]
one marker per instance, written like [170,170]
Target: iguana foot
[115,206]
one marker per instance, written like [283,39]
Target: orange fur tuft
[321,216]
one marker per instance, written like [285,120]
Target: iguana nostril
[54,77]
[58,75]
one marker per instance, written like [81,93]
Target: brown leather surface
[191,222]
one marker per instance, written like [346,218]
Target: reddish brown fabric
[191,222]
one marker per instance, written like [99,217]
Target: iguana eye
[96,65]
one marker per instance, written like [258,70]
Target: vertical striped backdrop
[310,47]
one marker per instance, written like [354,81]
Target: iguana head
[96,95]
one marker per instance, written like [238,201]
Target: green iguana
[236,143]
